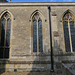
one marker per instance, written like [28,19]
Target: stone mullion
[37,39]
[70,34]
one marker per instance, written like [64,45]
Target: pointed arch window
[37,34]
[5,35]
[69,32]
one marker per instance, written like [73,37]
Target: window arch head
[68,16]
[36,17]
[37,12]
[6,15]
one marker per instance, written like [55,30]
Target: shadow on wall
[2,66]
[41,65]
[42,62]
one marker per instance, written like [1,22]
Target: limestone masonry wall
[22,57]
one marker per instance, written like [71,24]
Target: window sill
[40,54]
[4,59]
[65,54]
[69,53]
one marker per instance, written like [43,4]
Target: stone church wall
[21,46]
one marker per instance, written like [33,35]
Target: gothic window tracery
[37,34]
[5,35]
[69,32]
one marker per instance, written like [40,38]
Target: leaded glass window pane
[3,32]
[8,32]
[1,52]
[6,53]
[40,36]
[72,28]
[66,36]
[34,36]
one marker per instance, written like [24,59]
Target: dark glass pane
[8,32]
[72,28]
[3,32]
[34,36]
[40,36]
[66,36]
[6,53]
[1,52]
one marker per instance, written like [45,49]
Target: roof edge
[38,3]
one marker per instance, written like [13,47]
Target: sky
[42,0]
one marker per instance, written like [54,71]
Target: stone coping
[38,4]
